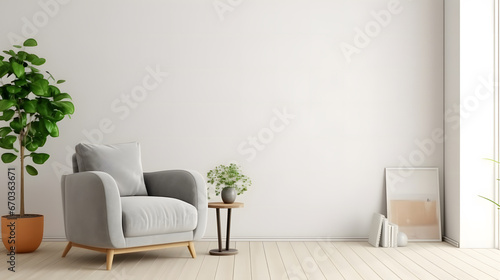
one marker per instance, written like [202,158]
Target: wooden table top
[225,205]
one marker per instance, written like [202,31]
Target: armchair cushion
[121,161]
[150,215]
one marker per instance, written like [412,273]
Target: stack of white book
[389,237]
[383,233]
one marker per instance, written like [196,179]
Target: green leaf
[24,118]
[40,140]
[61,96]
[55,131]
[24,92]
[57,116]
[30,57]
[491,160]
[16,125]
[31,170]
[49,125]
[7,115]
[18,69]
[4,131]
[39,158]
[30,43]
[40,87]
[6,104]
[10,52]
[13,89]
[38,61]
[20,82]
[53,90]
[21,55]
[65,106]
[4,69]
[10,139]
[60,81]
[30,106]
[32,147]
[8,142]
[7,146]
[33,77]
[44,108]
[498,205]
[8,157]
[17,46]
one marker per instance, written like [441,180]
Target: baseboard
[273,238]
[54,239]
[276,239]
[452,242]
[288,238]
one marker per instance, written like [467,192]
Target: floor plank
[451,269]
[258,261]
[452,258]
[356,262]
[225,269]
[208,268]
[376,264]
[490,268]
[308,263]
[274,262]
[328,268]
[381,254]
[242,266]
[263,260]
[292,265]
[192,267]
[410,265]
[431,267]
[345,268]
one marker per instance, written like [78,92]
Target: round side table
[218,206]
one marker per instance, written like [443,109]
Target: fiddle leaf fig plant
[228,176]
[31,105]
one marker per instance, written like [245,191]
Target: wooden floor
[263,260]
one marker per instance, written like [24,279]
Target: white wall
[470,130]
[320,173]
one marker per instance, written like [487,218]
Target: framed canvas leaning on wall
[413,202]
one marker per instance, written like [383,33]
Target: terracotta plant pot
[24,234]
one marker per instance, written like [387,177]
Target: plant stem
[21,149]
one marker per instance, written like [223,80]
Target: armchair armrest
[92,209]
[186,185]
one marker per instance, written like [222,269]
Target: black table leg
[219,233]
[220,251]
[228,228]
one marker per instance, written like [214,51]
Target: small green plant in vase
[228,181]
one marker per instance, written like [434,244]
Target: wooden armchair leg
[109,258]
[66,250]
[191,249]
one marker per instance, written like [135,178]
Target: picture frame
[413,202]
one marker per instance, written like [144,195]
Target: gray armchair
[111,206]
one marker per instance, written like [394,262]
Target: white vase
[402,239]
